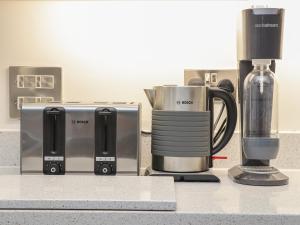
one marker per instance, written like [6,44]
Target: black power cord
[228,86]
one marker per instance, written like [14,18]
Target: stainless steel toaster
[99,138]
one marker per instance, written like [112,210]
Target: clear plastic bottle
[260,109]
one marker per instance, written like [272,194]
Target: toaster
[100,138]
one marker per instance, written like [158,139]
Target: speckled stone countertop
[224,203]
[87,192]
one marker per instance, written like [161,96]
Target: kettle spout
[150,93]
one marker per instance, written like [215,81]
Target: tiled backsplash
[289,156]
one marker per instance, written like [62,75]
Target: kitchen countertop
[87,192]
[224,203]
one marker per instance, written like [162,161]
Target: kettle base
[206,176]
[173,164]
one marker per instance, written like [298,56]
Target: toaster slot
[54,141]
[105,141]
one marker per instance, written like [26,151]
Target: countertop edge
[87,217]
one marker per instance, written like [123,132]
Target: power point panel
[33,85]
[210,78]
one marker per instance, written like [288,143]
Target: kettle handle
[231,110]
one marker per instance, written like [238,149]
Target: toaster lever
[53,112]
[104,113]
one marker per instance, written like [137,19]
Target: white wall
[111,50]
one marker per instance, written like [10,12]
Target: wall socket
[211,77]
[33,85]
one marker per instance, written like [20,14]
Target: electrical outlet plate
[211,77]
[33,85]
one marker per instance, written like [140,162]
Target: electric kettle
[182,126]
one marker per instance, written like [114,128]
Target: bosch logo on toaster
[80,121]
[185,102]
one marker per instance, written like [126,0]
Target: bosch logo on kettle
[185,102]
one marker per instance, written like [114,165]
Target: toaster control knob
[54,168]
[105,169]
